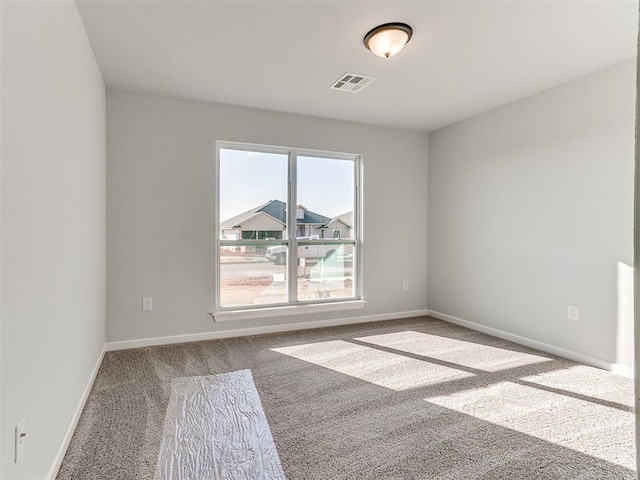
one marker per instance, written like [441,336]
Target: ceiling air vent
[351,82]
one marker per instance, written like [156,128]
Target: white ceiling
[464,57]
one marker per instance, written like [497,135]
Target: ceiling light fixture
[388,39]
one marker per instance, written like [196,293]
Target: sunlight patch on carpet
[588,381]
[590,428]
[468,354]
[385,369]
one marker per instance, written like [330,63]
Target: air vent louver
[351,82]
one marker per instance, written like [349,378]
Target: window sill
[227,315]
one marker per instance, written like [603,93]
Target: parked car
[278,253]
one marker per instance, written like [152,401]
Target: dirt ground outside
[263,290]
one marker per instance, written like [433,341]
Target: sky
[249,179]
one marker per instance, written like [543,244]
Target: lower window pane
[325,271]
[247,277]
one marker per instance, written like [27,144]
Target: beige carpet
[404,399]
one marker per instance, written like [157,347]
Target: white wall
[2,447]
[637,271]
[160,208]
[531,209]
[53,226]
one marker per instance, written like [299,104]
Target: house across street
[269,221]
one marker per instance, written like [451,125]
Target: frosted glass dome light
[388,39]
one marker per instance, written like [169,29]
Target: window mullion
[216,220]
[358,231]
[292,224]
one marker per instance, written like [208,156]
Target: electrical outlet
[21,438]
[405,285]
[573,312]
[147,304]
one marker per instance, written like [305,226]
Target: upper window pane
[326,196]
[253,195]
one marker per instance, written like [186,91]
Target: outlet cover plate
[573,312]
[147,304]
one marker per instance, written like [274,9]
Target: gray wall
[636,270]
[53,226]
[160,208]
[531,209]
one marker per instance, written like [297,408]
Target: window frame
[293,305]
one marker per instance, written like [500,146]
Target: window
[275,209]
[261,234]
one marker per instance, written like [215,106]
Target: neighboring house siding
[345,230]
[262,221]
[231,234]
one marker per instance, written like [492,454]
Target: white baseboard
[243,332]
[545,347]
[64,444]
[622,370]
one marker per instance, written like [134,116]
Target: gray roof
[235,222]
[275,209]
